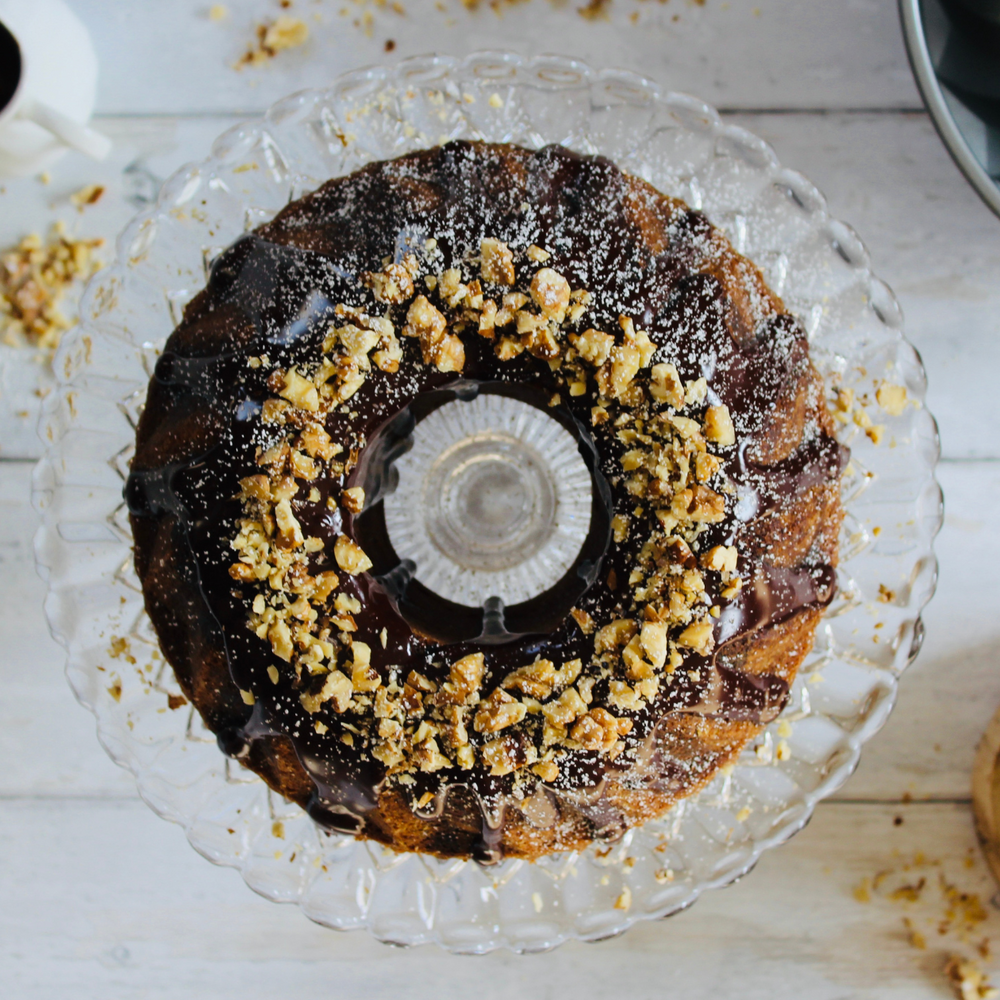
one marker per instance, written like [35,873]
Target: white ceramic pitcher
[48,82]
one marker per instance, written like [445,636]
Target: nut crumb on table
[969,979]
[273,37]
[952,917]
[89,194]
[34,279]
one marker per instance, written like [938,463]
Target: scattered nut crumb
[624,900]
[35,277]
[90,194]
[273,37]
[969,979]
[892,398]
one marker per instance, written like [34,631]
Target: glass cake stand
[847,685]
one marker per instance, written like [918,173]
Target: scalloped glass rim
[848,683]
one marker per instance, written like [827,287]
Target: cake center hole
[493,500]
[489,502]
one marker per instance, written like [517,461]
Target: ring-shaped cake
[324,662]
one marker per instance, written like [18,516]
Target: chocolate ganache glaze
[266,449]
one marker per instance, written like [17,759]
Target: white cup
[48,84]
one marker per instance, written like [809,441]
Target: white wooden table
[100,898]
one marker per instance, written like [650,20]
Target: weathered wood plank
[102,899]
[764,53]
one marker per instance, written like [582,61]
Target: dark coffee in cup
[10,66]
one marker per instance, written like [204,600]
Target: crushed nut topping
[527,720]
[498,262]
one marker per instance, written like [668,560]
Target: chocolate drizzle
[273,293]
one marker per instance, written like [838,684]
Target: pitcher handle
[74,135]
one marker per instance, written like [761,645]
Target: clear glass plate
[847,685]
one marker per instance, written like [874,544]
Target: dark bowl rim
[930,90]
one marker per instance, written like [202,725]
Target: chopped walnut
[500,756]
[699,503]
[497,262]
[653,638]
[353,499]
[350,556]
[337,689]
[568,673]
[624,697]
[450,287]
[487,319]
[567,707]
[969,980]
[550,292]
[599,730]
[689,430]
[464,680]
[547,770]
[316,443]
[280,637]
[892,398]
[303,467]
[695,392]
[426,322]
[542,344]
[614,378]
[697,637]
[389,353]
[616,374]
[454,730]
[665,385]
[614,634]
[273,410]
[508,348]
[288,525]
[634,656]
[34,278]
[583,619]
[705,466]
[357,342]
[593,346]
[364,677]
[639,338]
[449,355]
[719,426]
[421,682]
[721,557]
[429,757]
[299,391]
[498,711]
[536,679]
[619,527]
[393,284]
